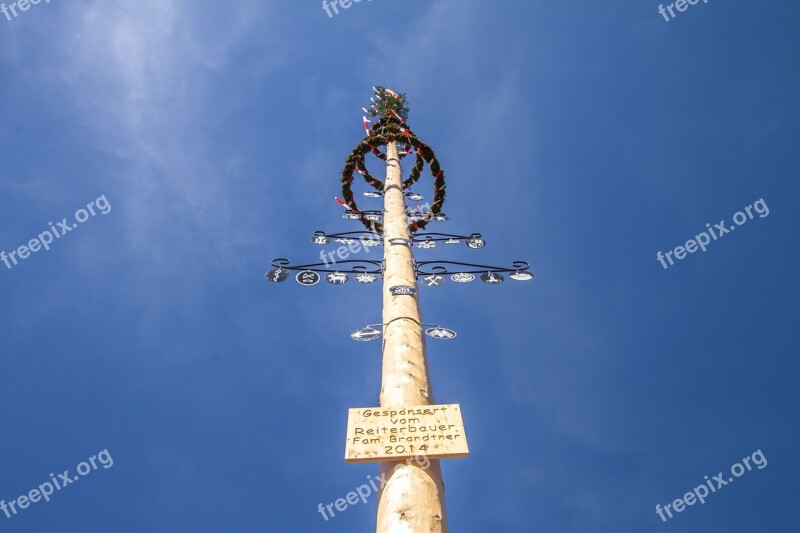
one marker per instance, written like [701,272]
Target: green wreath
[392,128]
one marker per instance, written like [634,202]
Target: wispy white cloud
[145,80]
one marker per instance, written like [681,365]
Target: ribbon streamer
[343,204]
[366,124]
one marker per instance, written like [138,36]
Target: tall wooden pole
[412,501]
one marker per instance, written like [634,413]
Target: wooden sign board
[397,433]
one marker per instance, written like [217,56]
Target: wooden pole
[412,501]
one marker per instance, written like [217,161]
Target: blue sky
[581,136]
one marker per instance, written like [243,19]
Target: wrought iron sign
[346,237]
[518,268]
[359,265]
[431,273]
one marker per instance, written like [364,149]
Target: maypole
[408,433]
[413,497]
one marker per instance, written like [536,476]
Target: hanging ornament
[366,334]
[440,333]
[521,275]
[476,243]
[492,278]
[370,241]
[307,278]
[434,280]
[277,275]
[336,278]
[320,238]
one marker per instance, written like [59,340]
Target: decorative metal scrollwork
[422,240]
[366,271]
[359,266]
[430,240]
[347,237]
[442,268]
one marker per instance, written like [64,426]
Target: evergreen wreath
[392,109]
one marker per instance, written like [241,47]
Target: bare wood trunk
[413,498]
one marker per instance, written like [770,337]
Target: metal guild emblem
[440,333]
[441,217]
[476,243]
[414,197]
[320,239]
[372,194]
[402,290]
[452,241]
[345,240]
[349,215]
[307,277]
[366,334]
[462,277]
[398,240]
[521,275]
[277,275]
[370,240]
[426,244]
[366,278]
[336,278]
[434,280]
[373,217]
[491,278]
